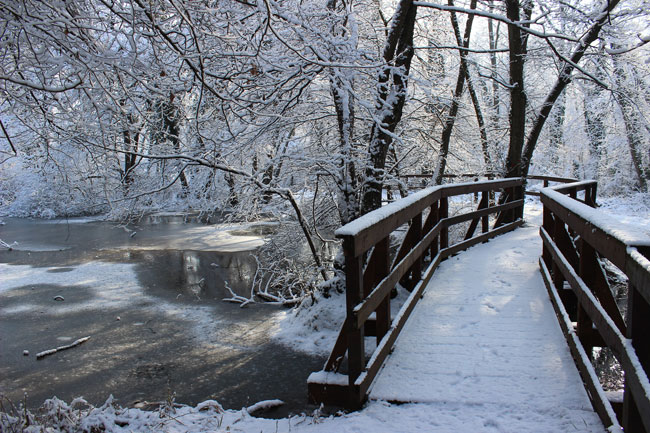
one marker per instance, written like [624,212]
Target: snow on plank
[485,335]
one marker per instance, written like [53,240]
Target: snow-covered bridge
[484,341]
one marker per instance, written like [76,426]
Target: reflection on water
[154,313]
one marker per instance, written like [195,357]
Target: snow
[265,404]
[639,258]
[630,234]
[328,377]
[377,416]
[313,327]
[354,227]
[454,398]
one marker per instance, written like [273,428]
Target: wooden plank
[572,189]
[340,347]
[333,394]
[552,178]
[548,224]
[365,238]
[431,221]
[474,224]
[563,240]
[443,213]
[415,271]
[601,405]
[485,220]
[382,313]
[502,217]
[372,274]
[469,188]
[456,219]
[411,239]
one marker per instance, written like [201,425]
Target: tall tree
[392,88]
[634,130]
[517,44]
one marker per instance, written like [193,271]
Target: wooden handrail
[476,176]
[575,238]
[368,288]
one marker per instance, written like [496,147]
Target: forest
[310,112]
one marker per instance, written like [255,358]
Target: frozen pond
[150,298]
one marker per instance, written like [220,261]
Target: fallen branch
[76,343]
[237,298]
[272,299]
[266,404]
[8,246]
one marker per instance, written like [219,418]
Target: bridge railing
[416,181]
[373,269]
[576,241]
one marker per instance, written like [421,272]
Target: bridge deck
[484,343]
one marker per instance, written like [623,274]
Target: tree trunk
[340,88]
[517,115]
[391,95]
[633,124]
[556,130]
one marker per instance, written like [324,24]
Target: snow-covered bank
[377,416]
[632,209]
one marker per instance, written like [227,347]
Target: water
[151,299]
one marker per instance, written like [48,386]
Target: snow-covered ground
[380,416]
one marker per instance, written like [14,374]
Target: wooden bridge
[484,332]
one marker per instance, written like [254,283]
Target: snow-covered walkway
[483,347]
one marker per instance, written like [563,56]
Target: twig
[237,298]
[45,353]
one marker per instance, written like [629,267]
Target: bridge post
[416,269]
[485,220]
[432,220]
[548,226]
[382,314]
[518,194]
[563,240]
[586,271]
[443,212]
[355,336]
[638,323]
